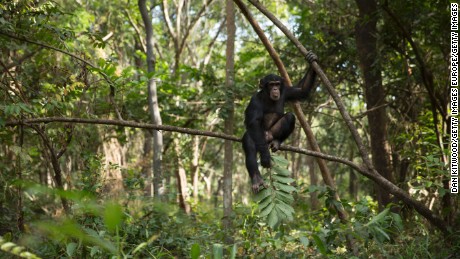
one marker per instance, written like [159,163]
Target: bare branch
[138,32]
[141,125]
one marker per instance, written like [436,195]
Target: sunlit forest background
[85,173]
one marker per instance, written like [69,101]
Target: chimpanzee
[267,126]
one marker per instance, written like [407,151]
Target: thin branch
[138,32]
[109,81]
[141,125]
[192,24]
[69,135]
[20,93]
[213,41]
[365,113]
[22,59]
[50,47]
[164,7]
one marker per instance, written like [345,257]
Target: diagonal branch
[325,173]
[192,24]
[138,32]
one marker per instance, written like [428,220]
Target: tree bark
[153,101]
[181,179]
[114,158]
[229,85]
[195,167]
[366,43]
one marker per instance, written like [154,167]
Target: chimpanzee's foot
[257,183]
[268,136]
[275,145]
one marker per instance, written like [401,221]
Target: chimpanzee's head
[273,85]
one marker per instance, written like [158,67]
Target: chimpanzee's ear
[261,83]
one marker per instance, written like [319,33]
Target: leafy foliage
[275,200]
[42,76]
[15,249]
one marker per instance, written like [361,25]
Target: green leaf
[281,161]
[139,247]
[265,202]
[304,241]
[398,221]
[281,171]
[286,209]
[263,194]
[320,244]
[7,246]
[285,197]
[273,219]
[217,251]
[283,179]
[233,252]
[382,232]
[113,216]
[94,251]
[284,187]
[195,251]
[267,210]
[110,71]
[70,248]
[378,217]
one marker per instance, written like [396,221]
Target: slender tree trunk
[181,178]
[54,158]
[366,42]
[195,169]
[146,164]
[19,206]
[310,161]
[153,101]
[353,181]
[114,159]
[229,84]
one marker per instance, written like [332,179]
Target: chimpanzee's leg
[281,130]
[249,147]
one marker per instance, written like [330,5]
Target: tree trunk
[310,161]
[153,101]
[195,168]
[229,84]
[181,178]
[366,42]
[114,159]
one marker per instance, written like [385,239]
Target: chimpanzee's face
[274,90]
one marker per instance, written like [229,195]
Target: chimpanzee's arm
[303,88]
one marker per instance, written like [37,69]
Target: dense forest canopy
[121,121]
